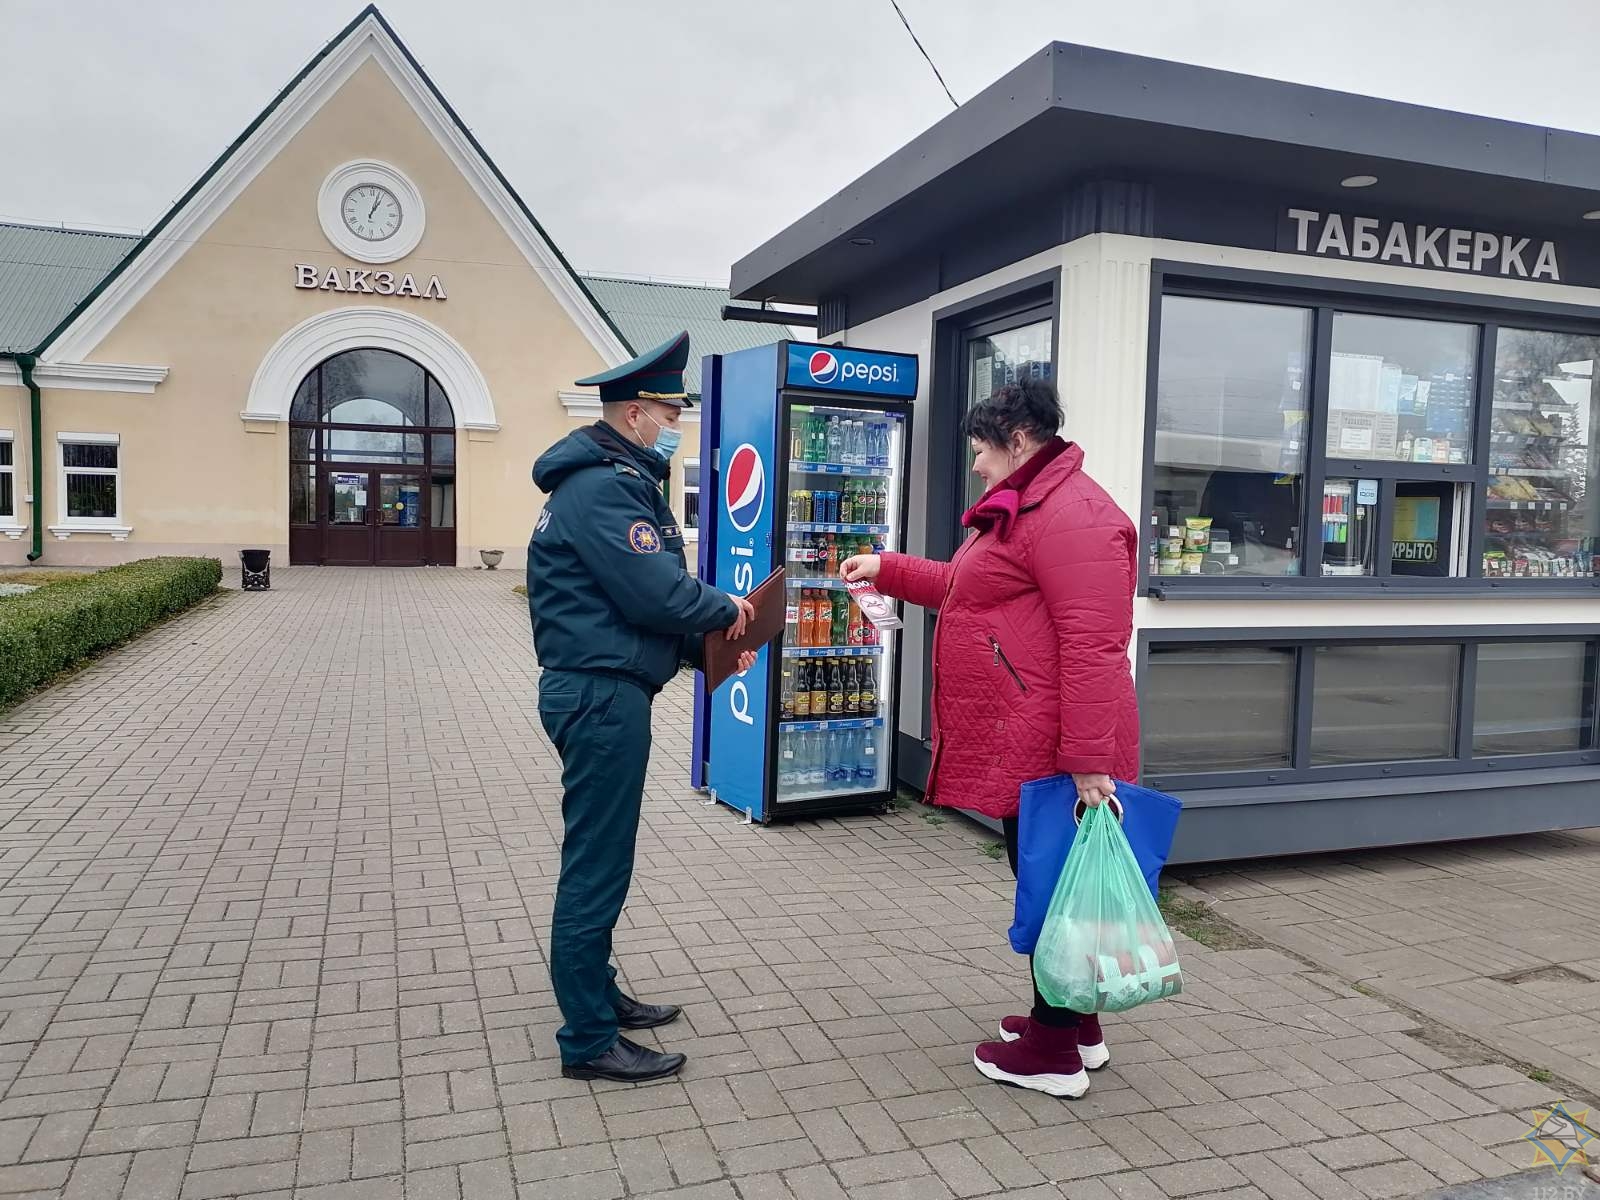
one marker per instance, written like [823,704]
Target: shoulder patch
[544,520]
[625,469]
[644,539]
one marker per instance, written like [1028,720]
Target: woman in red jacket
[1030,666]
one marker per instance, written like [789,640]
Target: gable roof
[368,36]
[45,273]
[649,312]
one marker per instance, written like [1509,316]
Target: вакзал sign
[1414,244]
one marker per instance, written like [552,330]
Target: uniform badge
[642,536]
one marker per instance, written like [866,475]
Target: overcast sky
[670,137]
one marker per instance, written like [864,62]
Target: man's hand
[747,613]
[1094,790]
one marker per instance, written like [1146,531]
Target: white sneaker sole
[1065,1087]
[1094,1057]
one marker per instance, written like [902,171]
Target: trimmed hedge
[49,630]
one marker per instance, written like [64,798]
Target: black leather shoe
[634,1014]
[627,1062]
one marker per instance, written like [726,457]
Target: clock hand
[374,207]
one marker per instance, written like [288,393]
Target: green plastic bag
[1104,946]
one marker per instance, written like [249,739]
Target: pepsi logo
[744,488]
[824,367]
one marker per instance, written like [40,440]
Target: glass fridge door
[837,672]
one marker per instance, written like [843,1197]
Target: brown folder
[722,656]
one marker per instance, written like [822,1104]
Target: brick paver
[1489,937]
[274,889]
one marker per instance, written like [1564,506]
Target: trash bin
[255,569]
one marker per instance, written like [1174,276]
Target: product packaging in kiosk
[874,606]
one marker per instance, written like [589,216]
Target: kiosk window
[1218,708]
[1383,703]
[1534,698]
[691,493]
[1229,440]
[1543,510]
[1401,390]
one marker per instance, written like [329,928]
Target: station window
[8,478]
[90,478]
[1306,441]
[691,494]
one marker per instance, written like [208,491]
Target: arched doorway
[372,464]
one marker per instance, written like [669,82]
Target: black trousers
[1043,1011]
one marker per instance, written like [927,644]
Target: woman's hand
[1094,790]
[747,659]
[860,566]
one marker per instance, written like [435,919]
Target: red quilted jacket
[1030,651]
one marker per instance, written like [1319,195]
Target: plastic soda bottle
[788,762]
[839,634]
[835,441]
[866,761]
[786,693]
[816,765]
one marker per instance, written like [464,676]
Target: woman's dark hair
[1031,405]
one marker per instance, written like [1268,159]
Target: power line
[925,54]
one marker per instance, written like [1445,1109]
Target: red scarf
[997,508]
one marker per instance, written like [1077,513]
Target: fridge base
[875,804]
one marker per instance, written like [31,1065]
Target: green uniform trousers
[600,725]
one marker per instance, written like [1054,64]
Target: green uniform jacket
[609,589]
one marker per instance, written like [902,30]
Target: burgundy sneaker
[1043,1059]
[1091,1042]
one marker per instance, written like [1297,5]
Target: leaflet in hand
[874,605]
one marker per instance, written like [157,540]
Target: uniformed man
[615,612]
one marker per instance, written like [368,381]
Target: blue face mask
[667,440]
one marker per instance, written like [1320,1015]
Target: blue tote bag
[1047,822]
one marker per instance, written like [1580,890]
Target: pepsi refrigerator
[803,452]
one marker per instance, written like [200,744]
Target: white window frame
[690,534]
[9,524]
[70,525]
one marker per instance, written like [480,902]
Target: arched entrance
[372,464]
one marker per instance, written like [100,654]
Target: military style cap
[655,375]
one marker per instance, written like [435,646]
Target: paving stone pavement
[274,889]
[1493,937]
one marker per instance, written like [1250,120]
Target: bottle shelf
[829,651]
[818,584]
[1531,472]
[808,725]
[1529,505]
[818,527]
[796,467]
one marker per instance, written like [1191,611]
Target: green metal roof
[649,313]
[44,273]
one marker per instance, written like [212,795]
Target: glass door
[400,521]
[837,674]
[993,355]
[347,504]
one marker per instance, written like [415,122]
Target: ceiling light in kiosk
[863,241]
[1592,215]
[1358,181]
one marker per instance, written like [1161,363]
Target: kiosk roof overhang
[1075,113]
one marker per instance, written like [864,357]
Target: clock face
[371,212]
